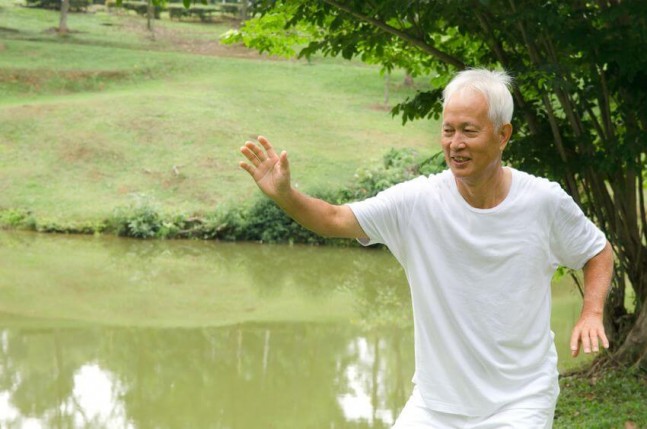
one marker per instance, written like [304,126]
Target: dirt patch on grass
[380,107]
[26,112]
[188,40]
[63,79]
[87,148]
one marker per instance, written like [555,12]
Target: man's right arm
[271,172]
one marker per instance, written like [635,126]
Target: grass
[614,399]
[97,119]
[104,116]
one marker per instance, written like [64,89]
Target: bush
[398,165]
[141,8]
[75,5]
[16,219]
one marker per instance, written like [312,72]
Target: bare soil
[186,40]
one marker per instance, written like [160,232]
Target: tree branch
[559,143]
[497,47]
[419,43]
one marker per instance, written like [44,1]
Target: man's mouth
[460,159]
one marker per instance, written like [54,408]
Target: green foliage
[398,165]
[139,220]
[579,93]
[141,7]
[15,219]
[270,34]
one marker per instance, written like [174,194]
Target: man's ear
[505,132]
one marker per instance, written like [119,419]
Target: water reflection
[246,376]
[97,332]
[189,283]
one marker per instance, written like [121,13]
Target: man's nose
[457,142]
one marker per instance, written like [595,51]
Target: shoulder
[422,183]
[405,194]
[537,188]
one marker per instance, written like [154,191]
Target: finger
[586,342]
[575,343]
[283,159]
[250,155]
[605,340]
[256,150]
[595,343]
[248,168]
[267,146]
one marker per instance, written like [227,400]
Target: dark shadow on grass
[8,30]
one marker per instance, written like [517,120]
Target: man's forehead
[465,107]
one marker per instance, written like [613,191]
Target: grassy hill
[106,115]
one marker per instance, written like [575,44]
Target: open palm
[270,171]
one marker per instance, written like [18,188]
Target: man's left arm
[589,329]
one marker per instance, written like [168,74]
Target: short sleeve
[385,216]
[574,239]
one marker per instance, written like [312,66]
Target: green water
[98,332]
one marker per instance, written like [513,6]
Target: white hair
[494,85]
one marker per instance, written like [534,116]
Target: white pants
[416,416]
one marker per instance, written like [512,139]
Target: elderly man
[479,244]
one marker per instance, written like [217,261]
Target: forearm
[319,216]
[271,172]
[589,329]
[598,273]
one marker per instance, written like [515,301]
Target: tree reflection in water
[294,370]
[246,376]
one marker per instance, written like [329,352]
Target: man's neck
[487,192]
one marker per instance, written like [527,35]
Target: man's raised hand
[270,171]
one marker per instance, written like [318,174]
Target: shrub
[75,5]
[16,218]
[139,220]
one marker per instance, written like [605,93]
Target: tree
[580,96]
[62,22]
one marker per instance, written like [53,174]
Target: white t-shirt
[480,285]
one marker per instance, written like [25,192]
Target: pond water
[103,332]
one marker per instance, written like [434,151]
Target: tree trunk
[633,351]
[408,80]
[387,85]
[243,10]
[150,15]
[62,23]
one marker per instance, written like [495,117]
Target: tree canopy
[580,99]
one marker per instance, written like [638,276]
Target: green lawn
[612,399]
[106,116]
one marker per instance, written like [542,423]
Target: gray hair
[494,85]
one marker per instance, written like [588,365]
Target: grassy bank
[106,118]
[612,399]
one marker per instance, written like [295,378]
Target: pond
[104,332]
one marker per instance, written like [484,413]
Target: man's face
[471,145]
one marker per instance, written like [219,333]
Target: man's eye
[470,131]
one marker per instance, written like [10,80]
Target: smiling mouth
[460,159]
